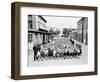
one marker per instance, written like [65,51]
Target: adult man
[35,49]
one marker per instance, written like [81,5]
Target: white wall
[5,40]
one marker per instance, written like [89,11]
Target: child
[54,53]
[38,55]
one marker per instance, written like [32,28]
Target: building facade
[37,30]
[74,34]
[83,30]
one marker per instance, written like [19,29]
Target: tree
[57,32]
[51,31]
[65,32]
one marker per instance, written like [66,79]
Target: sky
[61,22]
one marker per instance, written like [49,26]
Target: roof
[42,32]
[42,18]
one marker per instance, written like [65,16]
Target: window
[36,35]
[29,37]
[30,22]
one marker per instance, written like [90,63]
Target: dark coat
[35,49]
[50,53]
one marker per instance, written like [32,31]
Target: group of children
[57,49]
